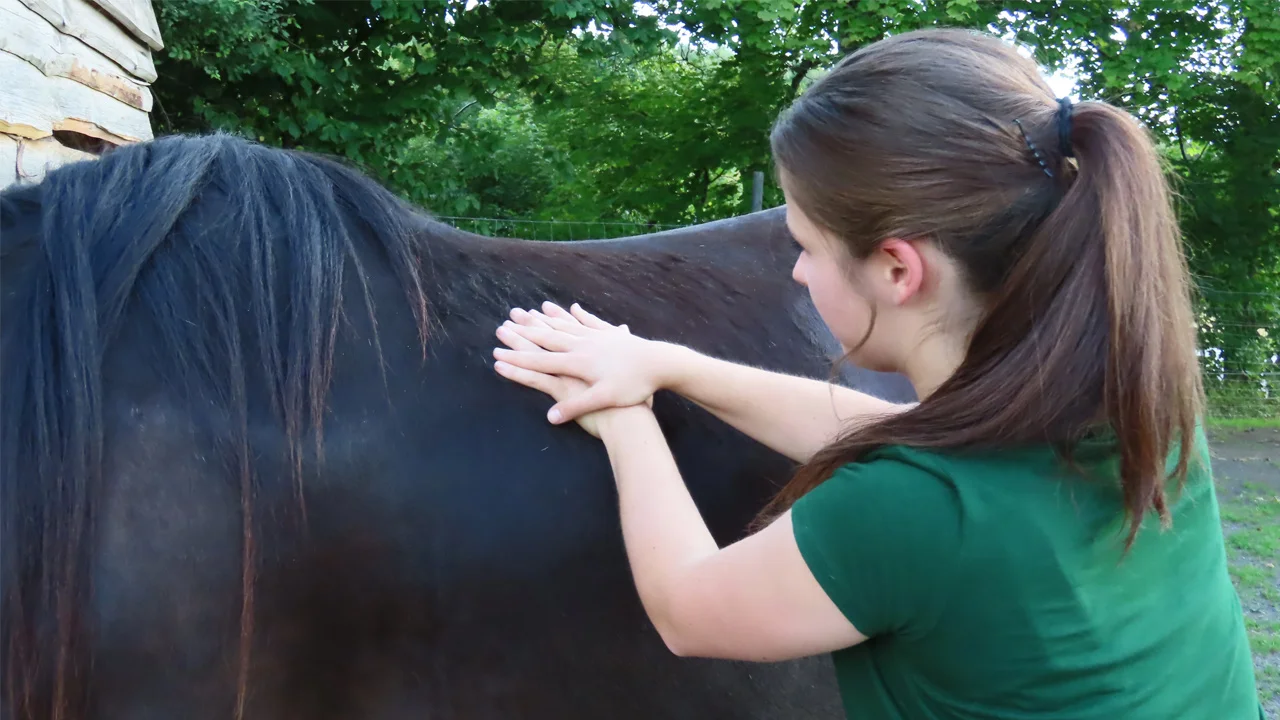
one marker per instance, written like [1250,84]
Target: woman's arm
[753,600]
[792,415]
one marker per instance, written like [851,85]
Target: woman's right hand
[621,369]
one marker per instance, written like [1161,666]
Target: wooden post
[757,191]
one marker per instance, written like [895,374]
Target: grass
[1251,521]
[1264,637]
[1245,400]
[1244,423]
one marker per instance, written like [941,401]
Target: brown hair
[1087,308]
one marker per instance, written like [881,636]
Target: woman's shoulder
[882,537]
[954,481]
[900,485]
[1095,454]
[952,465]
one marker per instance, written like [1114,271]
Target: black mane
[236,254]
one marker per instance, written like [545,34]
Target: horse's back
[453,555]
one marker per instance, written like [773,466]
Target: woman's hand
[620,369]
[561,388]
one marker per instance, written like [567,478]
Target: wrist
[671,364]
[614,421]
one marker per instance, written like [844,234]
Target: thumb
[584,403]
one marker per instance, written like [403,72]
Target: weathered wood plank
[79,19]
[33,106]
[138,17]
[37,157]
[8,160]
[33,39]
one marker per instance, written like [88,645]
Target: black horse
[256,462]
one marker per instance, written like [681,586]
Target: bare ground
[1246,466]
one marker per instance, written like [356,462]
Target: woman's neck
[934,361]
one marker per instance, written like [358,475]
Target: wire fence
[1242,399]
[1248,322]
[554,230]
[1232,393]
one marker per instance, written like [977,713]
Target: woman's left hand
[561,388]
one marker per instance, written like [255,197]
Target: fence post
[757,191]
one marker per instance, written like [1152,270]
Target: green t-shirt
[992,586]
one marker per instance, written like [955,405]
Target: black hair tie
[1035,151]
[1064,126]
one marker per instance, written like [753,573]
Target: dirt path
[1246,456]
[1246,465]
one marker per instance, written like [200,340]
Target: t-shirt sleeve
[882,538]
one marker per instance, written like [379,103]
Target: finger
[528,318]
[585,402]
[546,338]
[571,325]
[515,340]
[551,309]
[541,382]
[587,318]
[539,361]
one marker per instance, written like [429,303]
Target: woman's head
[958,198]
[904,301]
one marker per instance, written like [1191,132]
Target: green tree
[774,46]
[647,140]
[587,110]
[493,162]
[362,78]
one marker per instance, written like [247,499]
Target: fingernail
[500,352]
[500,366]
[553,415]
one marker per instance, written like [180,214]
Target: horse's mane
[234,253]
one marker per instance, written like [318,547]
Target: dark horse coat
[256,461]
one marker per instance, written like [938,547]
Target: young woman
[1039,535]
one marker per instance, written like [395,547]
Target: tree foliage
[492,162]
[589,109]
[360,78]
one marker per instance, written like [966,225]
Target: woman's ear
[902,263]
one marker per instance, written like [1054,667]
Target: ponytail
[1152,389]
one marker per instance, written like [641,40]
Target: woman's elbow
[691,644]
[677,649]
[677,643]
[686,647]
[681,638]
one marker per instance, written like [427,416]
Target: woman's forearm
[663,531]
[794,416]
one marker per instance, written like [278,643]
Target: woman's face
[825,268]
[887,306]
